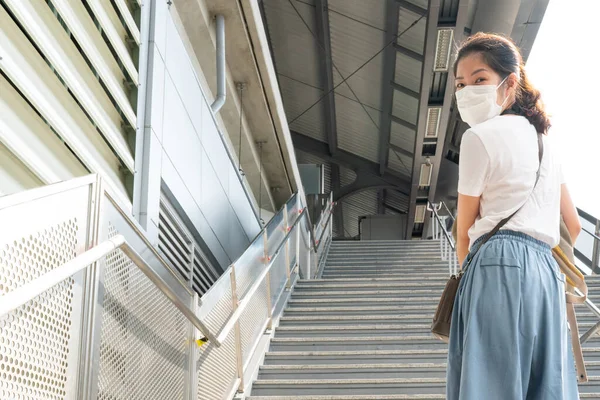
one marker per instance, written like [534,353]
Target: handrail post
[286,222]
[237,332]
[596,250]
[268,280]
[298,247]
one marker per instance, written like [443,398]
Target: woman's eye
[460,85]
[479,80]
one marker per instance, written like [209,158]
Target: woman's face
[472,70]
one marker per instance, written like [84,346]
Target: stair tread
[352,366]
[327,347]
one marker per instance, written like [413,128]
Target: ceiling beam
[405,90]
[367,170]
[394,209]
[400,150]
[408,52]
[412,7]
[338,212]
[403,122]
[387,90]
[326,71]
[426,79]
[381,201]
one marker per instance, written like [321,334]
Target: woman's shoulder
[502,124]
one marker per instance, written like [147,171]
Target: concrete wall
[186,151]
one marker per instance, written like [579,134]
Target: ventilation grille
[433,122]
[182,252]
[174,242]
[442,51]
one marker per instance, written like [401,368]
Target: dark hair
[504,57]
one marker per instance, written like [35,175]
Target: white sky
[563,65]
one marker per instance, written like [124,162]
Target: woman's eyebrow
[473,73]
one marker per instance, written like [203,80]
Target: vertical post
[238,335]
[308,260]
[192,386]
[298,225]
[268,280]
[286,224]
[596,251]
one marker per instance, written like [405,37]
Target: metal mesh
[253,320]
[217,370]
[35,339]
[143,348]
[278,277]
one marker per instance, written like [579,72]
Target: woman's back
[499,161]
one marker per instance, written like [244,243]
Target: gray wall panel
[188,203]
[193,161]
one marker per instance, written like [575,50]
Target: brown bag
[440,326]
[441,320]
[563,254]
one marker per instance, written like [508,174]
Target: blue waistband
[514,235]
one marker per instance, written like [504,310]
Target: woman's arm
[468,210]
[569,213]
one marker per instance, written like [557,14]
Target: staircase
[362,330]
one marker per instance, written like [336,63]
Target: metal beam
[366,181]
[367,171]
[338,211]
[411,7]
[426,79]
[403,122]
[387,90]
[405,90]
[400,150]
[381,201]
[326,71]
[408,52]
[461,21]
[394,209]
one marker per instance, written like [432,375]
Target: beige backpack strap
[577,352]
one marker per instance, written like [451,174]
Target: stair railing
[85,275]
[447,244]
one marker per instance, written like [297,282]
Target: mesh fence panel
[36,338]
[143,348]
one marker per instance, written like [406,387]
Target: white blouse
[499,161]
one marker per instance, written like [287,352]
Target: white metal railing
[447,244]
[225,325]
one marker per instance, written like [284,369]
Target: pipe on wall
[221,67]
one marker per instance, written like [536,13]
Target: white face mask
[477,103]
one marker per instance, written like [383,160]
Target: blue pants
[509,338]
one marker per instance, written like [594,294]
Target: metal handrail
[448,210]
[226,330]
[31,290]
[444,230]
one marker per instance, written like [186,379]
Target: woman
[508,337]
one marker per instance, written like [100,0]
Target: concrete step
[357,397]
[352,331]
[352,371]
[362,343]
[378,282]
[325,320]
[365,301]
[367,293]
[397,274]
[352,356]
[383,310]
[308,387]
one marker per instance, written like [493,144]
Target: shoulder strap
[505,220]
